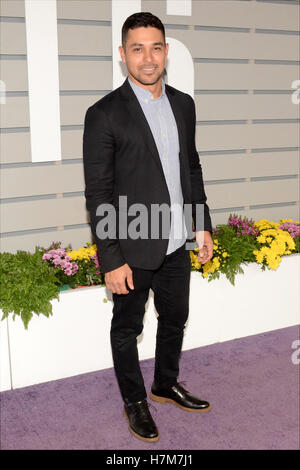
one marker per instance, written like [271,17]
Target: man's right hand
[115,280]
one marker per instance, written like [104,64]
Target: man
[139,144]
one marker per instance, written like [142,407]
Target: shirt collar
[146,95]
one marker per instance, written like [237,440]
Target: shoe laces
[143,410]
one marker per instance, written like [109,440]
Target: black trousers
[170,284]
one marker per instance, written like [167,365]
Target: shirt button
[164,135]
[146,101]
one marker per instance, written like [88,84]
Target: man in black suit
[139,147]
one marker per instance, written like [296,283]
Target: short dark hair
[141,19]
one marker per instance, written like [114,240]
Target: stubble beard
[146,80]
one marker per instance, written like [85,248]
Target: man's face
[145,54]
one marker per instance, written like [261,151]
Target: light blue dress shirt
[160,117]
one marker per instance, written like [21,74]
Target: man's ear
[122,53]
[167,48]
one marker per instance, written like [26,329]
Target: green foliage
[28,285]
[87,275]
[240,250]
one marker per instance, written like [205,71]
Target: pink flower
[58,257]
[243,227]
[75,268]
[64,264]
[56,261]
[292,227]
[96,260]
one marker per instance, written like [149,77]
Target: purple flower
[75,268]
[56,261]
[59,258]
[292,227]
[64,264]
[243,227]
[96,260]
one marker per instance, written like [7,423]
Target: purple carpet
[252,384]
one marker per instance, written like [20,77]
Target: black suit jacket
[121,159]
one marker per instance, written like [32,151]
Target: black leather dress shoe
[141,423]
[180,397]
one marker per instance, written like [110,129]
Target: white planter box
[76,338]
[5,379]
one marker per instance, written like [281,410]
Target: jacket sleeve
[98,161]
[198,192]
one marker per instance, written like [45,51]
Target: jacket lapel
[141,122]
[139,117]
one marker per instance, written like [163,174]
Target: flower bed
[76,338]
[29,282]
[243,241]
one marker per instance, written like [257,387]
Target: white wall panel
[29,215]
[99,10]
[43,81]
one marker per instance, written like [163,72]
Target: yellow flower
[273,261]
[270,231]
[280,242]
[83,253]
[261,239]
[264,224]
[281,245]
[259,256]
[194,260]
[208,267]
[197,264]
[290,242]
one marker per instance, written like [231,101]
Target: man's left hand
[205,245]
